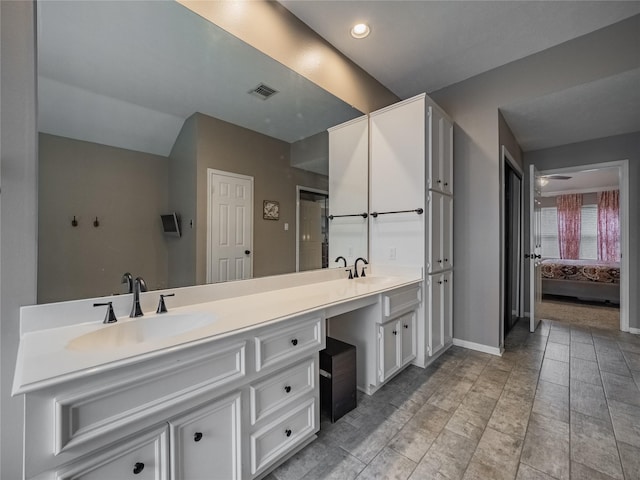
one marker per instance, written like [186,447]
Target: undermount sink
[138,330]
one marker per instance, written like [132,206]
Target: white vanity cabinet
[348,189]
[411,179]
[397,345]
[220,410]
[384,335]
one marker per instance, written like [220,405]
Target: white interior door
[535,247]
[230,227]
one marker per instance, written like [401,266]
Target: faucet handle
[110,317]
[350,273]
[162,308]
[362,274]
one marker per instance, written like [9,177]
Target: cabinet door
[435,229]
[446,226]
[144,458]
[436,324]
[408,327]
[440,151]
[389,349]
[206,442]
[447,307]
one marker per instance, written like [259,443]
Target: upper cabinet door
[349,190]
[440,161]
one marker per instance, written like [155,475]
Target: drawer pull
[197,436]
[287,388]
[287,432]
[294,342]
[138,467]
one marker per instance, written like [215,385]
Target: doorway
[512,241]
[229,226]
[312,229]
[569,298]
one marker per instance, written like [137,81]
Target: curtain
[569,216]
[609,226]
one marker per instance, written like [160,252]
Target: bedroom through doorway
[581,247]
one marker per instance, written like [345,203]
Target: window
[588,233]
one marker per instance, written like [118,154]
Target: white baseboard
[635,331]
[527,314]
[477,346]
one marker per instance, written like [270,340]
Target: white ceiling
[583,182]
[128,74]
[423,46]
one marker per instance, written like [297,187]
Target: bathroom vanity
[223,389]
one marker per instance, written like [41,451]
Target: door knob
[247,252]
[138,467]
[197,436]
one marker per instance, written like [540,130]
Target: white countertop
[55,355]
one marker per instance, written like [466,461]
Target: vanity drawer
[86,415]
[400,300]
[144,458]
[295,341]
[282,389]
[280,436]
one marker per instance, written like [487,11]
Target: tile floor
[563,403]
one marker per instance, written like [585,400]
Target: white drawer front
[277,438]
[401,300]
[144,458]
[288,343]
[281,389]
[87,415]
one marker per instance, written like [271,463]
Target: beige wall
[227,147]
[126,190]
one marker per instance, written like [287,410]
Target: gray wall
[126,190]
[18,210]
[474,105]
[620,147]
[182,199]
[227,147]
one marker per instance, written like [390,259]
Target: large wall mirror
[137,103]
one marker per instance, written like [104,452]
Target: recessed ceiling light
[360,30]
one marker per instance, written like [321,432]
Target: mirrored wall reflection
[313,229]
[136,101]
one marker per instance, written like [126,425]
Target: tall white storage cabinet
[411,207]
[348,189]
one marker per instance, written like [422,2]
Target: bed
[584,279]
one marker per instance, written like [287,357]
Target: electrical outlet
[286,227]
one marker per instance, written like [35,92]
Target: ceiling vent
[263,91]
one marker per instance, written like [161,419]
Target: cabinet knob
[287,388]
[440,261]
[446,259]
[138,467]
[287,432]
[294,342]
[197,436]
[395,332]
[439,282]
[446,281]
[446,184]
[439,181]
[406,326]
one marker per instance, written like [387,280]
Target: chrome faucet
[139,285]
[343,259]
[355,267]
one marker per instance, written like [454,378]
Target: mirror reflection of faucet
[127,279]
[343,259]
[139,285]
[355,267]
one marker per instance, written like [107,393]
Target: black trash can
[337,378]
